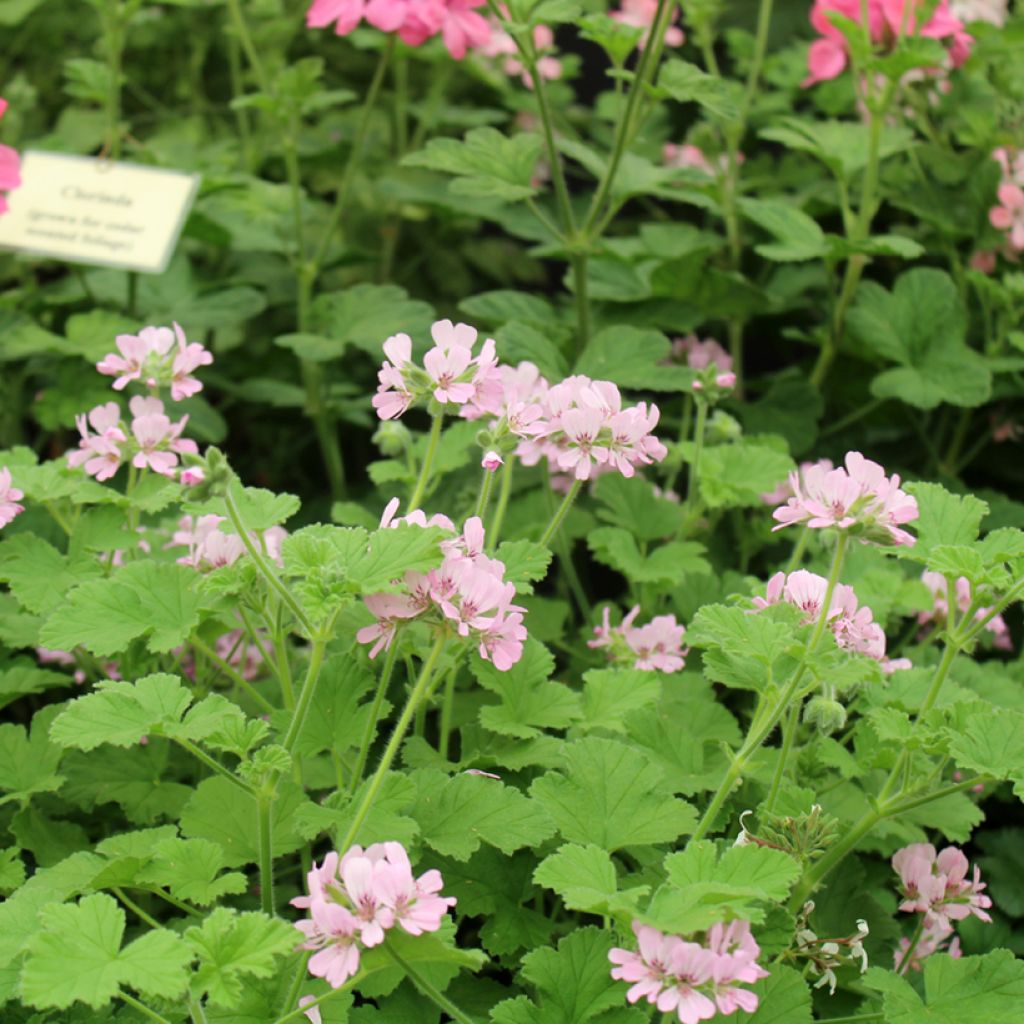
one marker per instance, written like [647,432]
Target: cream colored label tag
[86,210]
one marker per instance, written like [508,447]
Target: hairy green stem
[316,660]
[372,720]
[498,520]
[135,908]
[560,514]
[200,755]
[397,736]
[486,486]
[135,1004]
[435,995]
[264,810]
[428,462]
[299,1011]
[239,680]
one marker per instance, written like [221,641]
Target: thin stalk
[486,486]
[172,900]
[561,513]
[135,908]
[299,1011]
[428,462]
[297,978]
[135,1004]
[200,755]
[114,31]
[799,549]
[264,805]
[371,722]
[908,954]
[256,639]
[447,707]
[979,624]
[397,736]
[239,680]
[196,1011]
[494,530]
[248,46]
[283,666]
[912,803]
[261,563]
[316,660]
[435,995]
[789,728]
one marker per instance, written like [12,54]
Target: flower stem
[263,565]
[561,513]
[237,678]
[248,46]
[428,461]
[264,805]
[200,755]
[135,908]
[447,707]
[397,736]
[486,486]
[435,995]
[316,660]
[371,722]
[907,957]
[494,530]
[301,1010]
[135,1004]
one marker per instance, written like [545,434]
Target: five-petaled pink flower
[155,357]
[936,885]
[654,647]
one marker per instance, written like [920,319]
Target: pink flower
[701,354]
[649,969]
[313,1012]
[9,498]
[828,56]
[502,47]
[937,885]
[933,940]
[99,453]
[363,880]
[192,476]
[345,14]
[414,902]
[389,610]
[463,28]
[692,969]
[159,440]
[332,930]
[860,496]
[190,356]
[640,14]
[156,356]
[936,583]
[655,647]
[491,461]
[785,490]
[10,167]
[1008,216]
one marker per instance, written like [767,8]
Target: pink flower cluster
[1008,214]
[785,491]
[153,441]
[655,647]
[502,47]
[695,981]
[936,583]
[9,498]
[860,498]
[415,21]
[640,14]
[579,425]
[713,363]
[354,900]
[155,357]
[451,374]
[936,885]
[467,592]
[887,21]
[852,626]
[10,166]
[209,547]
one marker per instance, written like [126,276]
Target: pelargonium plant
[548,548]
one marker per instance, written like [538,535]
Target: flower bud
[492,461]
[392,438]
[828,716]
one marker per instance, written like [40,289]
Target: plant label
[87,210]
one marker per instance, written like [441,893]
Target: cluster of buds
[152,441]
[804,836]
[859,498]
[450,374]
[467,592]
[939,613]
[694,980]
[355,899]
[1008,214]
[654,647]
[825,956]
[157,357]
[209,547]
[851,624]
[937,885]
[714,376]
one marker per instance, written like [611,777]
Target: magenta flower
[937,885]
[9,498]
[858,497]
[10,167]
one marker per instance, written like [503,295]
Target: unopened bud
[492,461]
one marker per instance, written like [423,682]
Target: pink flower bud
[192,476]
[491,461]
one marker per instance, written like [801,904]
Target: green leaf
[119,713]
[611,694]
[573,982]
[28,762]
[391,553]
[633,505]
[233,947]
[261,509]
[191,868]
[488,164]
[77,957]
[525,562]
[736,475]
[456,813]
[39,575]
[687,83]
[152,599]
[612,796]
[530,701]
[797,236]
[992,745]
[738,631]
[667,564]
[585,878]
[631,357]
[24,678]
[783,998]
[921,326]
[944,518]
[971,990]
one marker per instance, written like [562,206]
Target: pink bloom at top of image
[581,428]
[477,593]
[332,931]
[9,498]
[444,367]
[99,453]
[463,27]
[136,351]
[344,14]
[632,441]
[641,14]
[1008,216]
[10,166]
[417,517]
[648,969]
[500,45]
[319,880]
